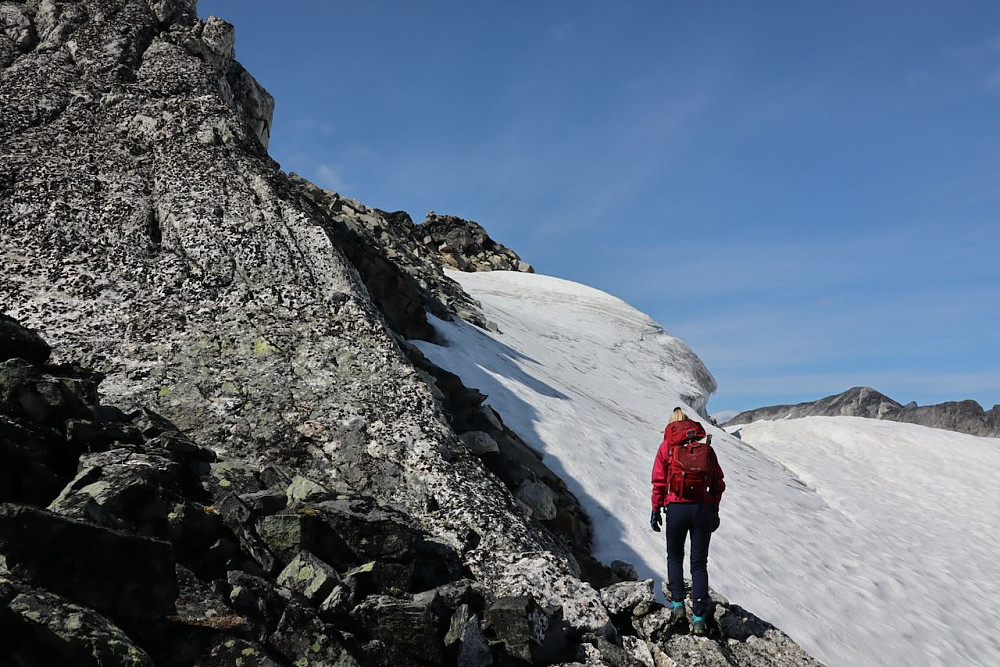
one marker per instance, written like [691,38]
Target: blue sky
[807,193]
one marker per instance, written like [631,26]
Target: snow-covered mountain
[891,567]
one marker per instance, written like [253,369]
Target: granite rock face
[288,467]
[961,416]
[147,233]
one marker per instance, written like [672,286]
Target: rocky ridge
[961,416]
[147,234]
[123,541]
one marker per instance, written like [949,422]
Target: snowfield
[896,565]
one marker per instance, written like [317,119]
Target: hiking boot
[698,625]
[676,612]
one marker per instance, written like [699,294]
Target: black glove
[654,520]
[714,516]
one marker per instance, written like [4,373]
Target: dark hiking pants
[684,519]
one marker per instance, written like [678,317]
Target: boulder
[137,489]
[435,564]
[465,639]
[44,398]
[201,605]
[639,650]
[690,650]
[479,442]
[90,436]
[653,626]
[20,342]
[551,582]
[369,531]
[380,578]
[40,628]
[412,630]
[238,516]
[289,532]
[626,596]
[123,575]
[310,577]
[265,503]
[303,639]
[230,476]
[258,600]
[304,490]
[527,630]
[538,497]
[735,622]
[179,447]
[151,424]
[34,463]
[600,651]
[624,571]
[274,478]
[195,532]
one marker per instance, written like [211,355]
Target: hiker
[688,485]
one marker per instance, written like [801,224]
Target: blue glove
[654,520]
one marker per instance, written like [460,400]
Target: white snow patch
[885,572]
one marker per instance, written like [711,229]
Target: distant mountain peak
[961,416]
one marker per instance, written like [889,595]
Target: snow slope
[929,503]
[589,381]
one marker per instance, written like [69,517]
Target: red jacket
[661,493]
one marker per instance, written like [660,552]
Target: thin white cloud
[562,33]
[330,177]
[992,83]
[314,126]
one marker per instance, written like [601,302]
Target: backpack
[689,462]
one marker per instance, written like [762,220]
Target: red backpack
[689,465]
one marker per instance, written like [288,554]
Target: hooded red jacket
[661,492]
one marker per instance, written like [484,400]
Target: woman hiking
[688,484]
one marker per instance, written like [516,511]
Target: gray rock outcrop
[961,416]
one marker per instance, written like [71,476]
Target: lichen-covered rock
[528,631]
[203,281]
[121,574]
[596,650]
[40,628]
[303,639]
[138,490]
[465,639]
[686,649]
[44,397]
[412,630]
[309,577]
[653,626]
[480,442]
[626,596]
[639,650]
[538,498]
[304,490]
[543,575]
[258,600]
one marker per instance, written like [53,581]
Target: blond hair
[677,416]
